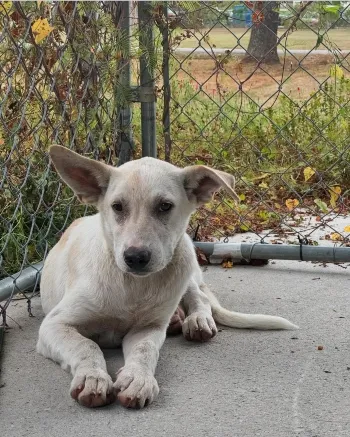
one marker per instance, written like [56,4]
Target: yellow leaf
[5,7]
[347,228]
[39,3]
[336,237]
[292,203]
[263,185]
[41,28]
[336,72]
[308,173]
[227,264]
[334,192]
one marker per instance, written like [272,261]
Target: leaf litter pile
[278,215]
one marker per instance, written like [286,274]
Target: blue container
[241,16]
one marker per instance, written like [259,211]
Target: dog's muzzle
[137,259]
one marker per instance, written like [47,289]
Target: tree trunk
[263,38]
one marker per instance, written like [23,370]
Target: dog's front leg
[199,324]
[136,385]
[58,340]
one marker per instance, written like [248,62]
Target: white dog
[117,277]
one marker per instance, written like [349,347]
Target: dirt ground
[299,75]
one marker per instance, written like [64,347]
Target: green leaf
[321,205]
[189,6]
[319,41]
[332,9]
[224,153]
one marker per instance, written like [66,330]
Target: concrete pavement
[242,383]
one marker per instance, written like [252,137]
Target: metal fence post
[147,91]
[166,84]
[126,144]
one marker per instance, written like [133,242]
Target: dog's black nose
[137,258]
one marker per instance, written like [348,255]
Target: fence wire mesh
[261,90]
[62,81]
[258,89]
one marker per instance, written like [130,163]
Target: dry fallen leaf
[227,264]
[41,29]
[336,237]
[292,203]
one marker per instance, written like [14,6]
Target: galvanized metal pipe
[148,108]
[216,252]
[22,281]
[250,251]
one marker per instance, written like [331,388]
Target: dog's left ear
[202,182]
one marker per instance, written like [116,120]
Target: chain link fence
[64,78]
[257,89]
[261,90]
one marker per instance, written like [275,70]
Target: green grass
[299,39]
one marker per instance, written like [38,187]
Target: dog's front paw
[136,387]
[92,388]
[199,327]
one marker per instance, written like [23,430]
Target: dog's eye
[165,206]
[118,207]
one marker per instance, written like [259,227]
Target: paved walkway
[241,384]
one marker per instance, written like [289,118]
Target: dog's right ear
[88,179]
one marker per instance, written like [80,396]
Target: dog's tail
[247,321]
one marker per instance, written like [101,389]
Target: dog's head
[145,205]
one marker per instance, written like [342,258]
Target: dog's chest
[149,306]
[140,303]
